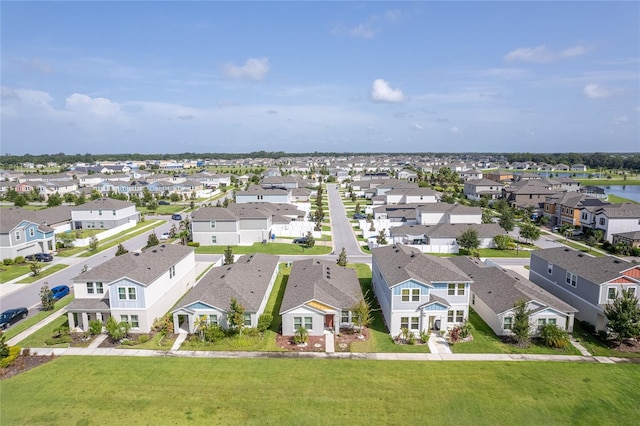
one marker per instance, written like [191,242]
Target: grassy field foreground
[89,390]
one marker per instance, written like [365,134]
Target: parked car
[302,240]
[60,291]
[576,232]
[556,228]
[359,216]
[40,257]
[11,316]
[165,236]
[163,203]
[176,216]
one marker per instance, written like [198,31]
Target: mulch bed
[23,363]
[628,346]
[317,343]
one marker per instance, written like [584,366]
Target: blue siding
[199,305]
[440,286]
[424,290]
[435,307]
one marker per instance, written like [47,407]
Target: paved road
[342,231]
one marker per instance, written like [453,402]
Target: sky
[238,77]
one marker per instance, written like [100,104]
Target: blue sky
[171,77]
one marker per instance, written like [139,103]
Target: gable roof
[247,280]
[322,281]
[399,263]
[13,216]
[145,267]
[499,289]
[104,204]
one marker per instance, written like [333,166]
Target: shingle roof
[212,213]
[104,204]
[399,263]
[322,281]
[454,230]
[13,216]
[97,305]
[500,289]
[247,281]
[598,270]
[624,210]
[145,267]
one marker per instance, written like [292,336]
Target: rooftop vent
[154,251]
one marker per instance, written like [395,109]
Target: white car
[164,237]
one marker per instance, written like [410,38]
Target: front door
[432,319]
[328,321]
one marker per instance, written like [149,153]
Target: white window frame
[127,292]
[90,288]
[460,289]
[99,288]
[32,232]
[345,317]
[212,224]
[571,279]
[405,295]
[414,323]
[459,316]
[415,294]
[615,295]
[632,289]
[214,239]
[550,268]
[17,235]
[404,322]
[451,289]
[134,321]
[213,319]
[247,320]
[507,323]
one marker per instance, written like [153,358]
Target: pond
[631,192]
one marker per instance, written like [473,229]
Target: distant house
[104,213]
[258,194]
[443,238]
[585,282]
[135,287]
[249,281]
[411,196]
[319,295]
[495,291]
[433,214]
[22,233]
[616,219]
[418,292]
[578,168]
[570,208]
[477,188]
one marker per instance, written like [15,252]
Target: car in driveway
[60,291]
[165,236]
[302,240]
[163,203]
[39,257]
[11,316]
[176,217]
[359,216]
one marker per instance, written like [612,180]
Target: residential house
[498,176]
[578,168]
[411,196]
[22,234]
[495,291]
[104,213]
[616,219]
[527,193]
[482,188]
[258,194]
[570,208]
[319,295]
[583,281]
[432,214]
[135,287]
[470,174]
[631,239]
[249,280]
[419,292]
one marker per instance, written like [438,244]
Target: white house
[616,219]
[135,287]
[104,213]
[433,214]
[418,292]
[258,194]
[23,233]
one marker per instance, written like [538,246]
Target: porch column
[570,323]
[99,317]
[72,323]
[85,321]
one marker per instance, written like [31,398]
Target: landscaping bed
[24,362]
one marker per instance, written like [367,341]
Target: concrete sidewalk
[324,355]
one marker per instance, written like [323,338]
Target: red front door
[328,321]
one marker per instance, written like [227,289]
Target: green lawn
[485,341]
[581,248]
[270,248]
[13,271]
[36,340]
[595,346]
[170,209]
[140,228]
[614,199]
[34,319]
[310,392]
[44,273]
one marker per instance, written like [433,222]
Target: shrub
[143,338]
[163,324]
[554,337]
[250,332]
[214,333]
[301,336]
[14,352]
[193,244]
[454,335]
[58,340]
[264,322]
[411,339]
[18,260]
[465,329]
[7,261]
[424,336]
[95,327]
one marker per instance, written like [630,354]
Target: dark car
[11,316]
[40,257]
[359,216]
[176,217]
[302,240]
[59,292]
[163,203]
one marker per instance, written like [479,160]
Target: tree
[4,348]
[54,200]
[381,239]
[35,267]
[152,205]
[121,250]
[487,216]
[20,201]
[152,240]
[502,242]
[310,240]
[117,330]
[93,243]
[342,258]
[506,221]
[66,239]
[228,256]
[46,298]
[362,316]
[82,199]
[301,336]
[200,325]
[95,195]
[521,326]
[235,317]
[623,315]
[469,239]
[529,231]
[357,208]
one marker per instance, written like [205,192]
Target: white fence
[84,242]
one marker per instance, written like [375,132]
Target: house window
[450,316]
[212,224]
[451,289]
[571,279]
[122,293]
[631,290]
[461,289]
[506,323]
[541,323]
[602,221]
[99,289]
[405,294]
[99,212]
[213,319]
[114,212]
[459,316]
[415,323]
[308,323]
[247,320]
[214,239]
[344,317]
[17,235]
[404,322]
[134,321]
[172,271]
[124,318]
[90,288]
[32,232]
[549,268]
[415,295]
[297,322]
[551,321]
[612,293]
[132,293]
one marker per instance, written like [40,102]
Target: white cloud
[455,130]
[382,92]
[418,126]
[362,31]
[542,53]
[254,69]
[621,120]
[595,91]
[102,107]
[372,26]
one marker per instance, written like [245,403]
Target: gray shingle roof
[399,263]
[322,281]
[247,281]
[500,289]
[85,305]
[104,204]
[598,270]
[145,267]
[13,216]
[454,230]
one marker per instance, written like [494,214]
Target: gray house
[22,233]
[586,282]
[104,213]
[496,290]
[319,295]
[249,280]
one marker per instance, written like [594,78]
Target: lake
[631,192]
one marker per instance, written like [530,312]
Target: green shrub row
[19,260]
[14,352]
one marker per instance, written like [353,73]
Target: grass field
[44,273]
[614,199]
[307,391]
